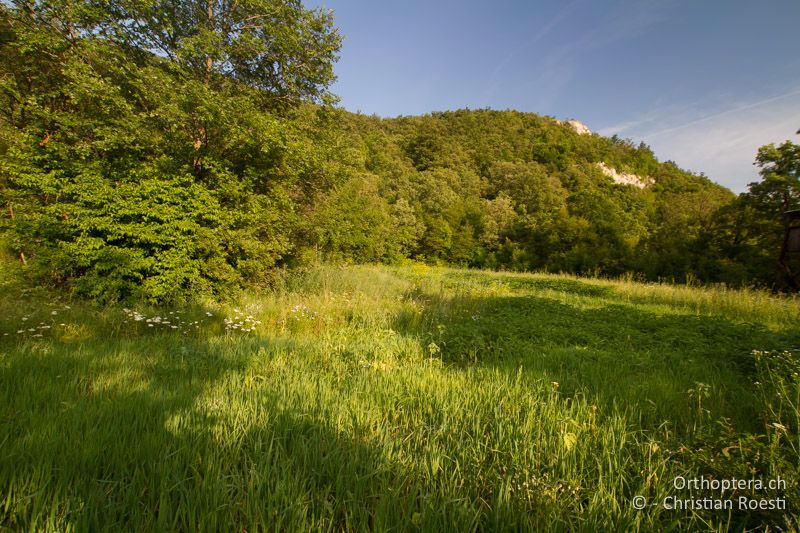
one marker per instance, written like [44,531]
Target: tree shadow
[100,436]
[618,356]
[527,283]
[84,428]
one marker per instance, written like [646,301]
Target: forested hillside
[504,189]
[149,151]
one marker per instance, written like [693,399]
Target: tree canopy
[131,173]
[755,224]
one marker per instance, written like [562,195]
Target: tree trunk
[210,23]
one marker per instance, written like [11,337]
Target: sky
[703,82]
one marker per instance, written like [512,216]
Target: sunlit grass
[372,398]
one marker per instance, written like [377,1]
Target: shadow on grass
[105,436]
[618,356]
[527,283]
[685,379]
[83,429]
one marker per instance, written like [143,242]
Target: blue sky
[703,82]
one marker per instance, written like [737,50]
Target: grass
[378,398]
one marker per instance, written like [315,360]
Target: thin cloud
[733,111]
[723,144]
[628,19]
[538,36]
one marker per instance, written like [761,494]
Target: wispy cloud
[536,37]
[657,115]
[627,19]
[540,34]
[722,143]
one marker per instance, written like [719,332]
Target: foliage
[752,229]
[519,191]
[129,175]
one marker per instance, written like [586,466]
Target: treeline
[164,151]
[518,191]
[502,189]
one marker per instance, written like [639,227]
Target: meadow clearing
[401,398]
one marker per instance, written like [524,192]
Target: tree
[780,168]
[757,230]
[277,46]
[135,174]
[780,172]
[352,222]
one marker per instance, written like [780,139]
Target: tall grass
[376,398]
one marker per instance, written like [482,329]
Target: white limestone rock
[579,127]
[623,178]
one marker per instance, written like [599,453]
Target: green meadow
[401,398]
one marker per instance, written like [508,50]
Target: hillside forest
[164,151]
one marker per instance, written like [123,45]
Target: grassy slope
[371,397]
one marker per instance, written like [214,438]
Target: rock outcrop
[579,127]
[623,178]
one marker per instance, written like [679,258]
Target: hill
[505,189]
